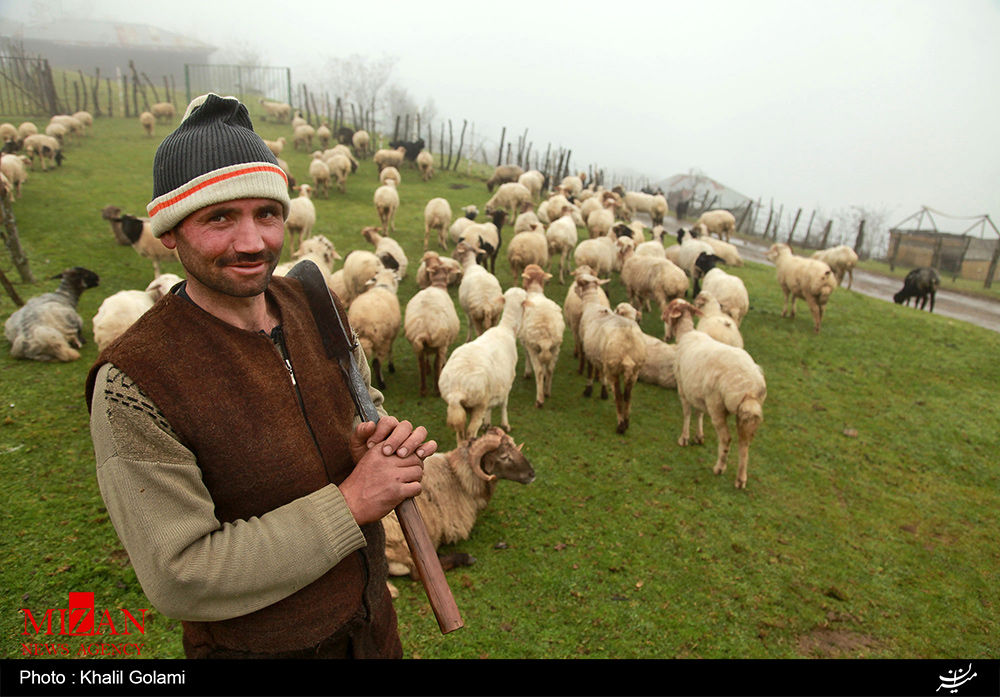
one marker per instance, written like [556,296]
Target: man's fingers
[395,440]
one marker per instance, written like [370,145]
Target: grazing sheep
[437,216]
[469,215]
[479,292]
[921,284]
[15,168]
[719,222]
[340,167]
[376,318]
[411,148]
[120,310]
[457,485]
[527,219]
[726,251]
[57,131]
[800,277]
[148,122]
[534,181]
[714,322]
[613,347]
[386,201]
[47,148]
[719,379]
[276,146]
[648,278]
[655,205]
[302,137]
[730,291]
[428,260]
[388,250]
[573,310]
[360,266]
[321,175]
[276,111]
[25,129]
[425,163]
[324,135]
[541,332]
[138,234]
[503,174]
[431,324]
[48,327]
[478,375]
[841,260]
[163,111]
[360,140]
[509,197]
[340,149]
[8,136]
[487,237]
[390,174]
[526,248]
[562,237]
[389,158]
[301,216]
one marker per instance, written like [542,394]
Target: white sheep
[655,205]
[425,163]
[486,237]
[730,291]
[541,332]
[148,122]
[360,266]
[339,165]
[277,111]
[387,250]
[599,253]
[841,260]
[527,247]
[324,135]
[430,258]
[276,146]
[649,278]
[360,141]
[15,168]
[376,318]
[509,197]
[690,248]
[659,366]
[613,347]
[601,220]
[573,310]
[716,323]
[302,137]
[341,149]
[561,235]
[301,216]
[503,174]
[801,277]
[45,147]
[479,293]
[321,175]
[163,111]
[457,486]
[719,222]
[719,379]
[437,216]
[478,375]
[533,180]
[389,158]
[386,201]
[469,215]
[8,134]
[48,327]
[120,310]
[431,324]
[527,219]
[318,249]
[388,174]
[726,251]
[25,129]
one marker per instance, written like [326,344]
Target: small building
[694,193]
[958,254]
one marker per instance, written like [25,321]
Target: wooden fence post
[791,232]
[12,241]
[503,134]
[826,233]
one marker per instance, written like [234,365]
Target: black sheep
[920,284]
[412,148]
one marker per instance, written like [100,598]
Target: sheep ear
[602,281]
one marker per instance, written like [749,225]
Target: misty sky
[886,104]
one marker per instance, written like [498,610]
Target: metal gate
[249,83]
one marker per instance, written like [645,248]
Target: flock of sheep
[586,235]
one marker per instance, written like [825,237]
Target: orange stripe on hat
[215,180]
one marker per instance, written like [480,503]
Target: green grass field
[868,527]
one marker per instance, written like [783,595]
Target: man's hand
[388,458]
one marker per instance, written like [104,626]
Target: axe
[339,346]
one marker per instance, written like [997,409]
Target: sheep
[138,234]
[46,147]
[301,216]
[601,220]
[302,137]
[163,111]
[321,175]
[527,248]
[469,215]
[437,216]
[457,486]
[573,310]
[25,129]
[534,181]
[527,219]
[360,266]
[730,291]
[726,251]
[648,278]
[478,375]
[386,201]
[503,174]
[277,111]
[360,140]
[298,120]
[388,250]
[376,318]
[431,324]
[612,346]
[509,197]
[541,332]
[389,158]
[562,236]
[388,174]
[921,284]
[340,167]
[48,327]
[655,205]
[317,248]
[572,184]
[340,149]
[479,292]
[148,122]
[719,222]
[719,379]
[411,148]
[487,237]
[801,277]
[599,253]
[431,258]
[841,260]
[425,163]
[15,168]
[690,249]
[120,310]
[8,136]
[658,369]
[276,146]
[714,322]
[57,131]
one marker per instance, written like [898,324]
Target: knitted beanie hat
[214,156]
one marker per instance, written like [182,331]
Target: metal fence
[249,83]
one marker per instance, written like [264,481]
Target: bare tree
[360,79]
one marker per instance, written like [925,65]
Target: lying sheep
[719,379]
[922,285]
[437,216]
[729,291]
[659,366]
[841,260]
[479,292]
[719,222]
[425,163]
[301,216]
[478,375]
[799,277]
[714,322]
[48,327]
[376,318]
[431,324]
[138,233]
[120,310]
[388,250]
[386,201]
[541,332]
[457,486]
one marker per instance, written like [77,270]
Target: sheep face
[507,461]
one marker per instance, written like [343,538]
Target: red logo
[81,619]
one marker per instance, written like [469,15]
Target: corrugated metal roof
[99,34]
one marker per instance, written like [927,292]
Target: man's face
[230,248]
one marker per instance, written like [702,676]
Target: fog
[882,104]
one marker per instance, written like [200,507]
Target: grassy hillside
[868,528]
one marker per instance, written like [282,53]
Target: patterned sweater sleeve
[190,565]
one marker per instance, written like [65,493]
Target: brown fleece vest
[227,394]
